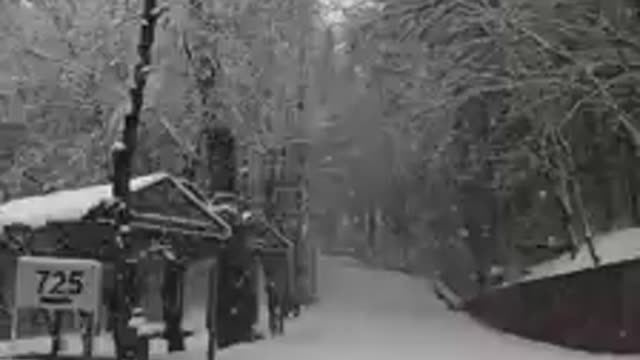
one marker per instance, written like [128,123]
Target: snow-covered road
[369,314]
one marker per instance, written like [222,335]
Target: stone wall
[596,310]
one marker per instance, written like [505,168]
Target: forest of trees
[484,133]
[459,135]
[65,68]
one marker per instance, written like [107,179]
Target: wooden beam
[166,229]
[153,217]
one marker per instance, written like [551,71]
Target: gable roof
[36,211]
[70,205]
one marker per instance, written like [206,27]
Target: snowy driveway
[368,314]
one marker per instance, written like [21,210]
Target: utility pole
[125,296]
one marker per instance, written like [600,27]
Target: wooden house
[81,223]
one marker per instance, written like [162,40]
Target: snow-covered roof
[64,205]
[612,248]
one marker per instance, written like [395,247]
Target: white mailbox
[58,283]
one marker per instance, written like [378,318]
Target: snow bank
[612,248]
[72,345]
[64,205]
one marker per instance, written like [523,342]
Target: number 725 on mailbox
[58,283]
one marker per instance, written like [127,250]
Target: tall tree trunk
[221,161]
[634,195]
[371,226]
[584,219]
[126,293]
[567,214]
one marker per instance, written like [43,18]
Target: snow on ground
[612,248]
[368,314]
